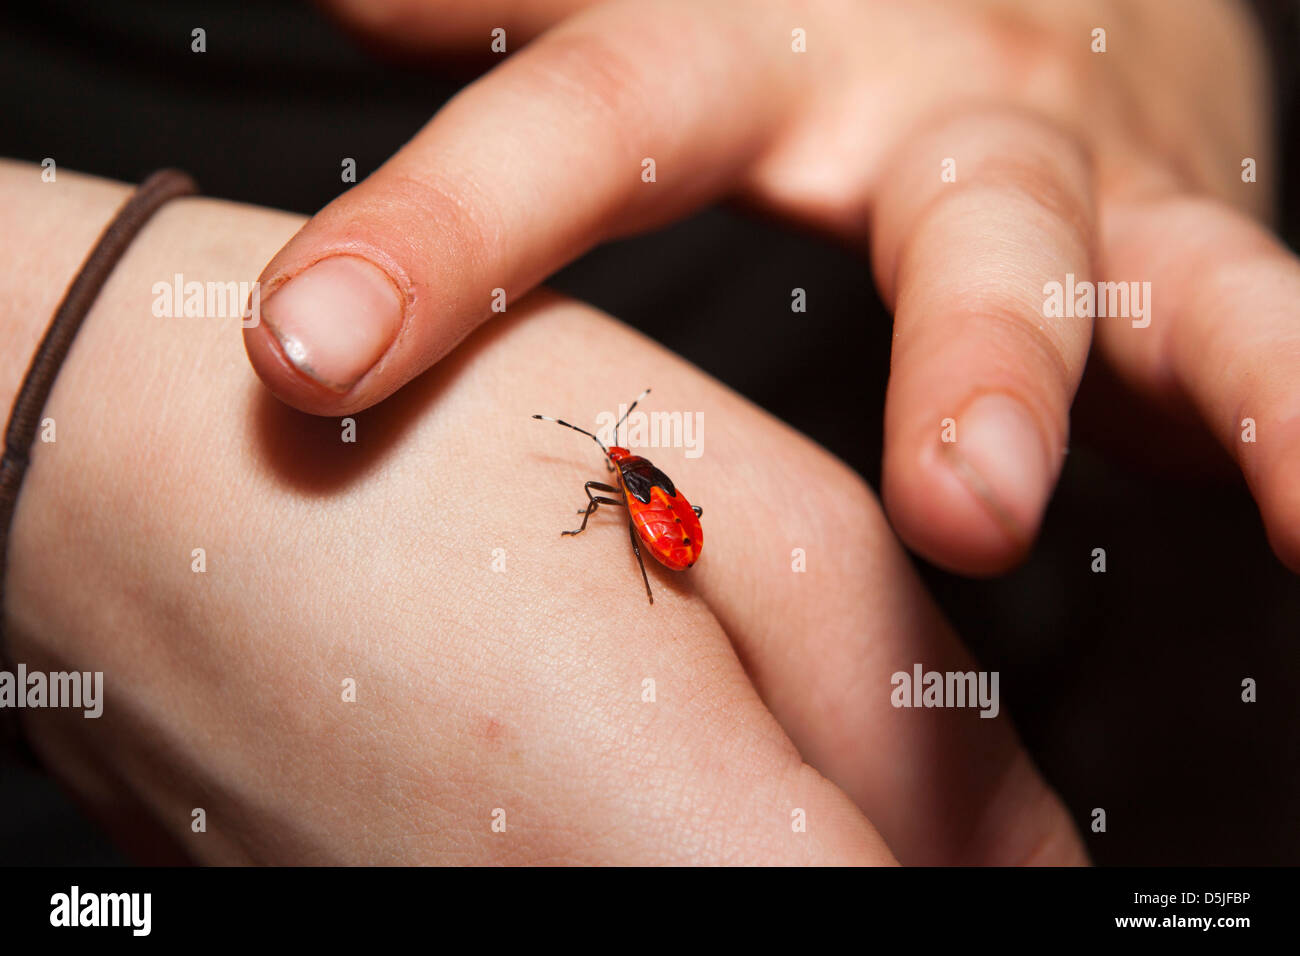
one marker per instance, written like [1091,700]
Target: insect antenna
[544,418]
[627,413]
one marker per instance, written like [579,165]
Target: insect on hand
[658,515]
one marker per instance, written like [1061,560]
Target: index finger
[577,139]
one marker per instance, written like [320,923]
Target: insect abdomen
[669,528]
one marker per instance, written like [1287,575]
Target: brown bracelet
[25,418]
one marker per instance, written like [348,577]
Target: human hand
[476,689]
[1121,166]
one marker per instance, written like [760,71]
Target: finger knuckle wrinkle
[461,209]
[1028,347]
[594,77]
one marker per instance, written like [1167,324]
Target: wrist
[46,231]
[38,267]
[90,584]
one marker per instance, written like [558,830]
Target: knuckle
[1024,190]
[593,77]
[465,217]
[845,512]
[1041,67]
[1027,158]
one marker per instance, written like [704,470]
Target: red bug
[659,516]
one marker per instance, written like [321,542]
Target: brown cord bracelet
[153,193]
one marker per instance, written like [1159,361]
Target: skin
[476,689]
[1122,166]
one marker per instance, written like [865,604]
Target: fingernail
[335,319]
[999,454]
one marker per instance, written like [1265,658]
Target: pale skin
[477,690]
[522,690]
[1122,166]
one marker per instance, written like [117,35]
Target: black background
[1125,686]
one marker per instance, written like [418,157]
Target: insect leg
[699,512]
[591,510]
[636,549]
[599,486]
